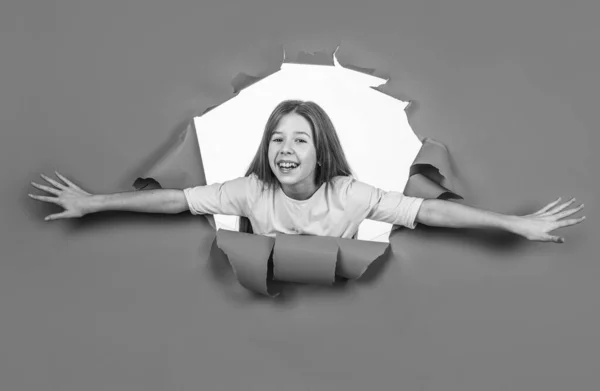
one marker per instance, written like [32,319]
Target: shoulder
[246,183]
[254,183]
[351,189]
[240,187]
[349,183]
[255,189]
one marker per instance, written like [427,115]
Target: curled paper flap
[210,108]
[242,81]
[383,89]
[368,71]
[421,186]
[249,256]
[315,58]
[180,166]
[355,256]
[431,175]
[349,64]
[177,167]
[351,104]
[296,258]
[305,259]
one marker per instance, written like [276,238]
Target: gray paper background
[137,302]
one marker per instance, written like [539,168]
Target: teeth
[288,165]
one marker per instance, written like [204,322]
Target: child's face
[293,141]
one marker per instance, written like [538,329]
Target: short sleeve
[387,206]
[227,198]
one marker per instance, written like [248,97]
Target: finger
[569,212]
[54,200]
[57,216]
[68,182]
[547,207]
[52,181]
[46,188]
[559,208]
[570,222]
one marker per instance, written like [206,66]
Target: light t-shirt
[336,210]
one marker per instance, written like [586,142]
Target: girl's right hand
[72,198]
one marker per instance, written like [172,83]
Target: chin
[288,181]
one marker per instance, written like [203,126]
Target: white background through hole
[373,129]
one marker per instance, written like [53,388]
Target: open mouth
[286,167]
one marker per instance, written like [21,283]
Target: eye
[301,140]
[276,139]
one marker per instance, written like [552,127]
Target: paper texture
[430,173]
[249,256]
[384,154]
[295,258]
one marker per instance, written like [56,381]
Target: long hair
[329,150]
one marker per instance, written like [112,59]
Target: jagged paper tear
[295,258]
[180,165]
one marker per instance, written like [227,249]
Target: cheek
[313,154]
[310,161]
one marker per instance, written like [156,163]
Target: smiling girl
[300,182]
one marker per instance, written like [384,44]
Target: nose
[286,147]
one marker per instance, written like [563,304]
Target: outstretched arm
[77,202]
[536,226]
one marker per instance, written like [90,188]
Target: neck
[299,192]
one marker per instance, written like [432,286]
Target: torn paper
[249,256]
[372,127]
[380,145]
[430,173]
[295,258]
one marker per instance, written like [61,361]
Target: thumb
[57,216]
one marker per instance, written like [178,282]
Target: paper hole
[373,129]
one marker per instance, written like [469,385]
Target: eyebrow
[276,132]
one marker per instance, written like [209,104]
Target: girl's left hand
[537,226]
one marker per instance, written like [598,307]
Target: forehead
[293,123]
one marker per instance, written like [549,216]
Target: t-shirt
[336,210]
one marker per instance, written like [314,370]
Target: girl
[299,182]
